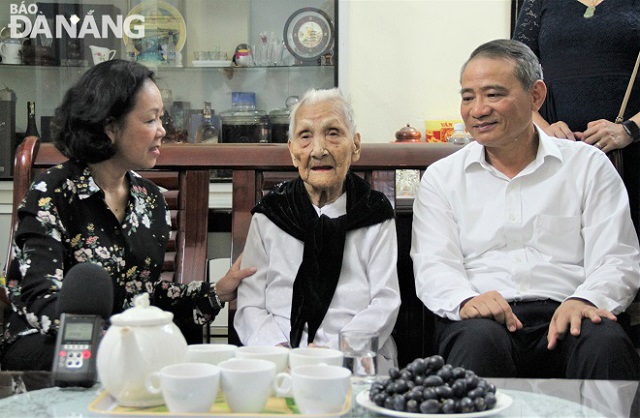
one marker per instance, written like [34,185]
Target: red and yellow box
[439,130]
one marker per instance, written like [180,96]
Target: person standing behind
[93,208]
[522,243]
[588,49]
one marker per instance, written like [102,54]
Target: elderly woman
[324,244]
[94,208]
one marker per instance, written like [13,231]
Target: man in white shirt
[324,244]
[523,244]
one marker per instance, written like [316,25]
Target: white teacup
[307,356]
[247,383]
[186,387]
[316,389]
[210,353]
[275,354]
[101,54]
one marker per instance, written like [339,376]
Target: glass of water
[360,350]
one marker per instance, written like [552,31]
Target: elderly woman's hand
[227,287]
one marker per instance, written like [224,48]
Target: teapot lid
[142,314]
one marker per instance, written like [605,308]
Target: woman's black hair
[104,95]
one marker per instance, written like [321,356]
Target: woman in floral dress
[94,208]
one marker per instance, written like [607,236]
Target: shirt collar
[86,186]
[83,180]
[547,148]
[334,209]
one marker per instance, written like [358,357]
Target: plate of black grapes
[428,386]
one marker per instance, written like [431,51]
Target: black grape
[429,386]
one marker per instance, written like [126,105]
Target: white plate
[211,63]
[504,401]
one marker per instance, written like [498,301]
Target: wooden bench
[187,193]
[257,168]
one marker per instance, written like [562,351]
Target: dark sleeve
[186,301]
[40,251]
[527,28]
[189,302]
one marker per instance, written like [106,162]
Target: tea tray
[276,407]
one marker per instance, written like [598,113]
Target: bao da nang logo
[27,21]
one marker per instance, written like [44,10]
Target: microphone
[85,301]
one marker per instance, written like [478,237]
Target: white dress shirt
[560,228]
[367,296]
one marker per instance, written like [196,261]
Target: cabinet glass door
[281,49]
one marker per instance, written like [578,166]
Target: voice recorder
[74,362]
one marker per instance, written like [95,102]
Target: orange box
[439,130]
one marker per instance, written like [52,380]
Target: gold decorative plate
[160,18]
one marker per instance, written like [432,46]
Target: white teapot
[141,340]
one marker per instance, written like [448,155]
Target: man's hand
[569,316]
[490,305]
[227,287]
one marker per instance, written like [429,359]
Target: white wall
[400,62]
[402,58]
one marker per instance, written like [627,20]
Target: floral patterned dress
[63,221]
[587,64]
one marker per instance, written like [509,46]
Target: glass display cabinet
[228,53]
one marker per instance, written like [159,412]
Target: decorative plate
[308,34]
[504,401]
[160,18]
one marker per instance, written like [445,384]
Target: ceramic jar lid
[408,134]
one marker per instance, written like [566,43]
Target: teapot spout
[121,366]
[130,358]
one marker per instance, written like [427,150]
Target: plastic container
[459,135]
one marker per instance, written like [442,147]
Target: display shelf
[40,68]
[218,25]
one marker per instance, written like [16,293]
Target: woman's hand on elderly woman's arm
[227,287]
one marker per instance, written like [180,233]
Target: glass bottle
[207,132]
[32,128]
